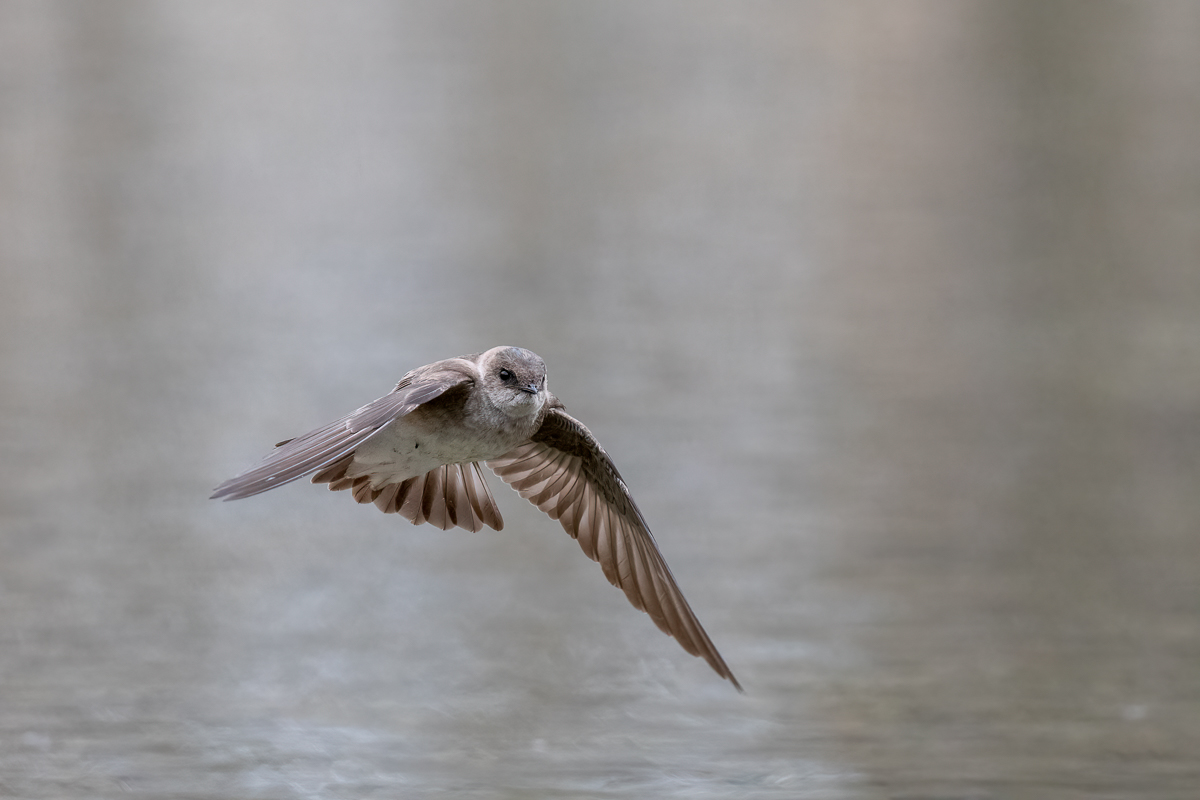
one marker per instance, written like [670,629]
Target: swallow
[416,452]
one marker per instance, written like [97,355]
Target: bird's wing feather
[565,472]
[297,457]
[447,496]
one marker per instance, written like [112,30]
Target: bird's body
[456,428]
[416,451]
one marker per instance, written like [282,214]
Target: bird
[416,452]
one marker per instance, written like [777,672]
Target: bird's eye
[505,375]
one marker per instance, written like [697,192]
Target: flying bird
[416,452]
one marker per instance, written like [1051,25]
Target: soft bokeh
[888,311]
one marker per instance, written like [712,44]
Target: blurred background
[888,311]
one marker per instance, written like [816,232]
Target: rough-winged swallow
[416,452]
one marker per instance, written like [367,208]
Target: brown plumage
[416,452]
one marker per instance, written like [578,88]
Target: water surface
[889,315]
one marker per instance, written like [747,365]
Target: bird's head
[514,379]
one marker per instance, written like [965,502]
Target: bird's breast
[427,438]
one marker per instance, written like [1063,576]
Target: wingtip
[229,490]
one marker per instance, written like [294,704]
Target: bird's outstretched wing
[297,457]
[565,472]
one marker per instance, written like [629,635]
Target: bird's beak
[531,388]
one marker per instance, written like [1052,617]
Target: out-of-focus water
[889,313]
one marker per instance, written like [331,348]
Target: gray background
[888,311]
